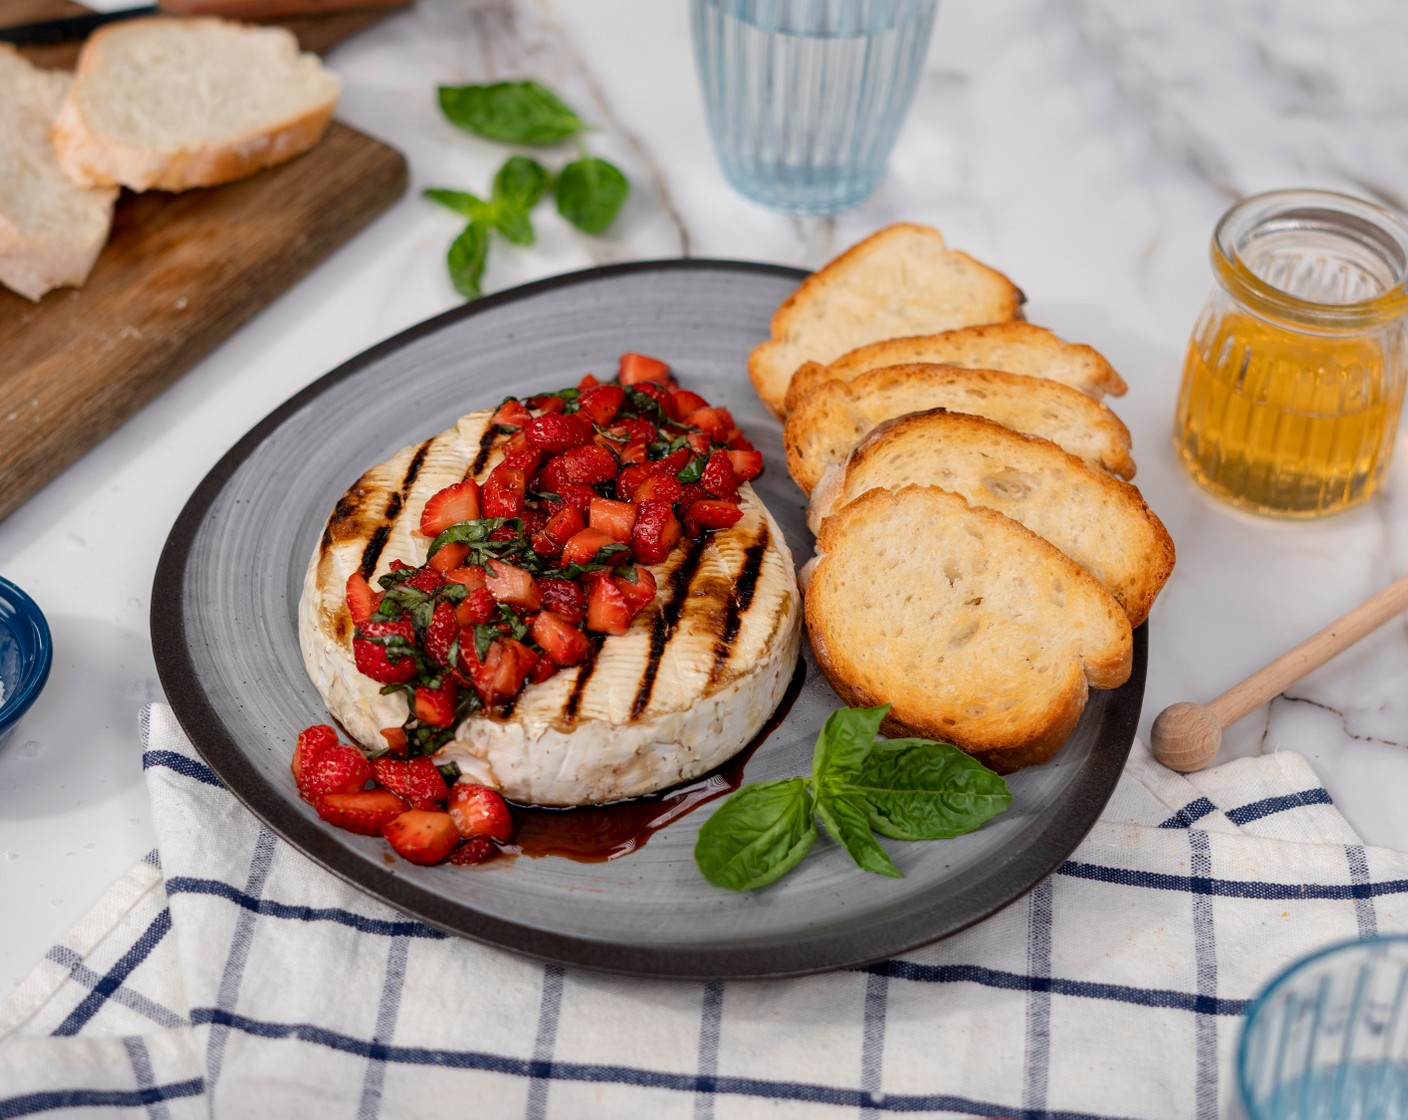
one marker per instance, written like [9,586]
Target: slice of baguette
[987,637]
[827,423]
[902,280]
[1099,522]
[1016,347]
[50,229]
[178,103]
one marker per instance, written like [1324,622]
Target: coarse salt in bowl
[26,653]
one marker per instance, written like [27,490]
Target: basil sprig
[511,112]
[904,789]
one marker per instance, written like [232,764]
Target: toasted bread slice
[1099,522]
[178,103]
[1016,347]
[988,637]
[830,421]
[902,280]
[51,230]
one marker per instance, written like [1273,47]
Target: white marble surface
[1085,147]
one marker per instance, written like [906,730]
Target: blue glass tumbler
[805,97]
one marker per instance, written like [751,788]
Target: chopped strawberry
[584,546]
[422,835]
[472,577]
[334,768]
[559,639]
[699,442]
[479,606]
[418,781]
[512,585]
[715,421]
[449,557]
[427,579]
[601,403]
[450,506]
[521,452]
[534,521]
[477,849]
[711,514]
[361,599]
[634,429]
[440,635]
[502,672]
[718,477]
[395,741]
[561,528]
[480,811]
[365,811]
[511,414]
[435,707]
[636,452]
[564,597]
[387,664]
[658,488]
[588,381]
[612,518]
[653,389]
[638,594]
[555,434]
[636,368]
[690,493]
[542,669]
[656,532]
[399,565]
[630,478]
[589,465]
[682,402]
[747,465]
[311,742]
[547,402]
[607,609]
[736,441]
[674,462]
[504,491]
[577,495]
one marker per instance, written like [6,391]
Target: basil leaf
[844,742]
[461,202]
[692,471]
[590,193]
[466,258]
[471,532]
[514,224]
[510,112]
[847,820]
[916,789]
[758,834]
[450,771]
[520,183]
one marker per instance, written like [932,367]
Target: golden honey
[1295,372]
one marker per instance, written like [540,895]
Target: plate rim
[774,958]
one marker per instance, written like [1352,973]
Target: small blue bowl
[26,652]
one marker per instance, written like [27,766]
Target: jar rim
[1383,230]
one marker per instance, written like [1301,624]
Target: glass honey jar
[1295,371]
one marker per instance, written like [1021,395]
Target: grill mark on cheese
[740,600]
[486,445]
[394,505]
[665,624]
[584,675]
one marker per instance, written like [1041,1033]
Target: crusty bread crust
[1100,522]
[769,365]
[827,423]
[883,638]
[1043,354]
[94,160]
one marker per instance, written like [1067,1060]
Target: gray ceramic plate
[227,650]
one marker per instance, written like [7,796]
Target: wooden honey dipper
[1186,736]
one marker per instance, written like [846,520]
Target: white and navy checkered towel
[232,977]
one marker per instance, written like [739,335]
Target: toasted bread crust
[1041,354]
[769,368]
[999,699]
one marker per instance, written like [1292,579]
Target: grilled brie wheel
[684,689]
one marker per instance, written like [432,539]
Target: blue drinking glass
[1328,1038]
[805,97]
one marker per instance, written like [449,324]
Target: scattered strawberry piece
[634,429]
[638,595]
[450,506]
[511,414]
[584,546]
[682,402]
[503,492]
[332,769]
[365,811]
[362,601]
[440,635]
[311,742]
[615,519]
[577,495]
[630,478]
[589,465]
[395,740]
[559,639]
[435,707]
[699,442]
[747,465]
[418,781]
[656,532]
[601,403]
[428,580]
[375,660]
[547,402]
[588,381]
[449,557]
[480,811]
[607,609]
[718,477]
[422,835]
[502,672]
[636,452]
[674,462]
[637,368]
[561,528]
[564,597]
[472,577]
[479,606]
[711,514]
[512,585]
[555,434]
[659,488]
[715,421]
[477,849]
[519,451]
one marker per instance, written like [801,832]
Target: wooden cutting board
[180,273]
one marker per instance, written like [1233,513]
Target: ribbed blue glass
[805,97]
[1328,1038]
